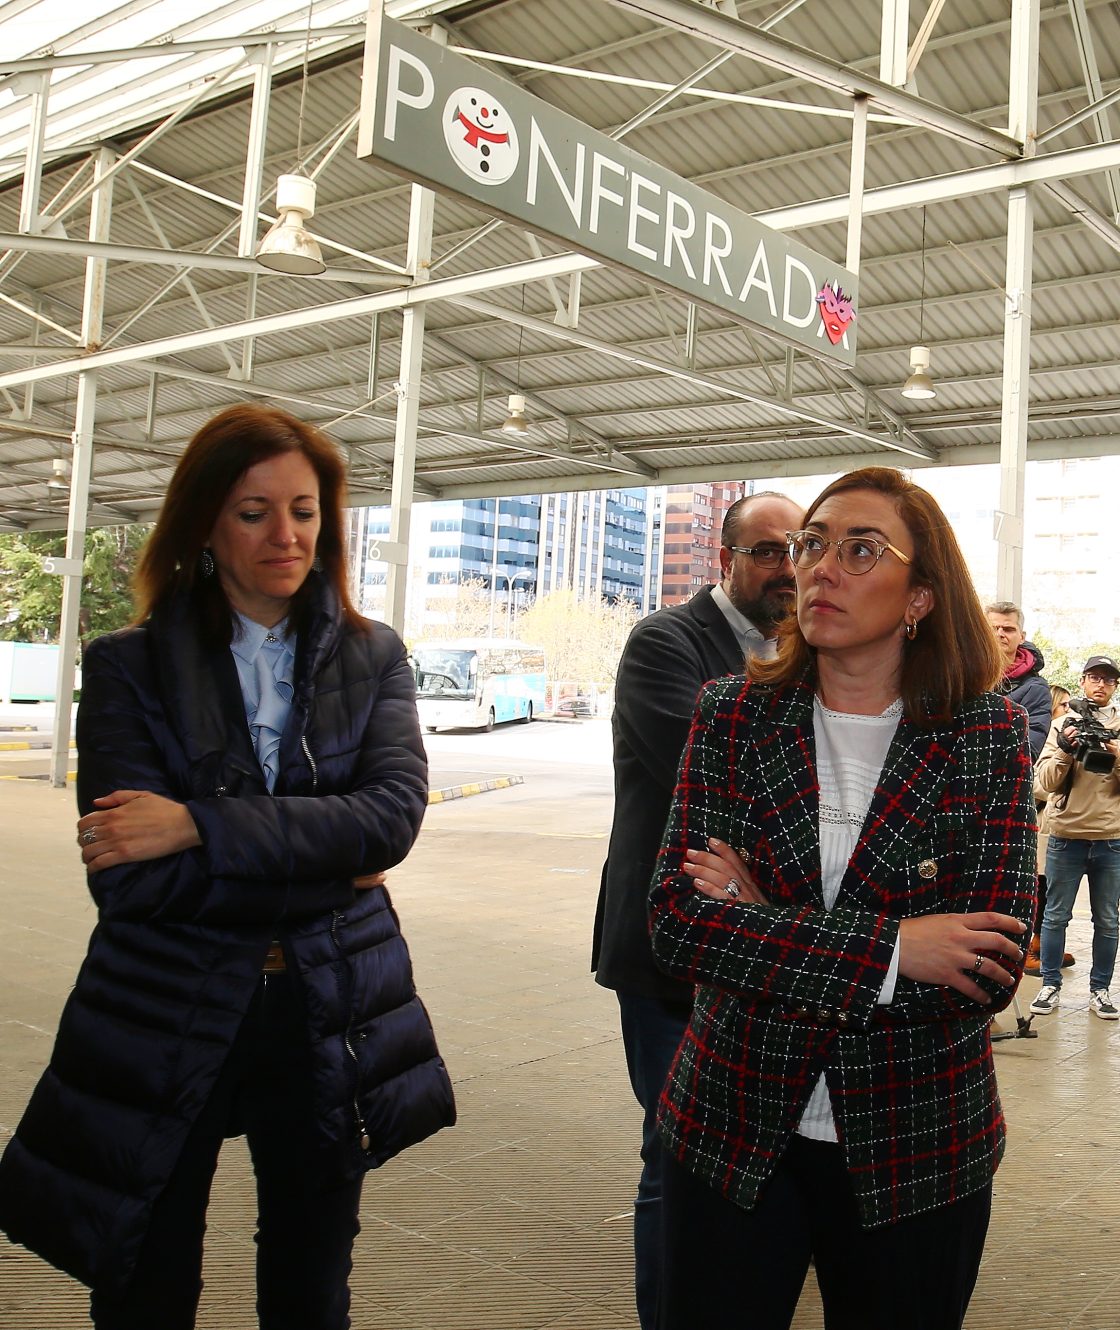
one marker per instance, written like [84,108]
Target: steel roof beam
[631,356]
[1045,168]
[81,250]
[708,24]
[358,307]
[160,50]
[1083,37]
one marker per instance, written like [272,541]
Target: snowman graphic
[480,136]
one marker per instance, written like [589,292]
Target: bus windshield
[445,672]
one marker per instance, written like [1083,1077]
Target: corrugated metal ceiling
[586,403]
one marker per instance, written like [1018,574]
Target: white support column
[254,150]
[408,408]
[38,87]
[251,195]
[895,39]
[855,182]
[93,307]
[1022,106]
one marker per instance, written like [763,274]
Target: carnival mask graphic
[836,311]
[480,136]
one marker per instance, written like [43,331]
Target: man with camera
[1078,773]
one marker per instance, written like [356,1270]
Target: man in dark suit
[668,658]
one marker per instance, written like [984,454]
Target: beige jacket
[1092,811]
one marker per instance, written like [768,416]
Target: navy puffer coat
[177,951]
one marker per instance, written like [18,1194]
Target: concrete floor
[519,1217]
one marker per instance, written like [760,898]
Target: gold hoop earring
[911,629]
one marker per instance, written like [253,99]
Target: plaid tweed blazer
[788,990]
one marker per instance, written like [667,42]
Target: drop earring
[911,629]
[206,563]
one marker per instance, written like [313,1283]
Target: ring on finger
[732,889]
[978,962]
[89,835]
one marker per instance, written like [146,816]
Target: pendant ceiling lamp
[515,422]
[919,385]
[288,247]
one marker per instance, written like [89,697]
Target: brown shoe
[1033,965]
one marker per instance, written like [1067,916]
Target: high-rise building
[598,543]
[594,543]
[691,536]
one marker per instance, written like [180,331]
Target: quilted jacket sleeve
[368,828]
[119,748]
[799,955]
[271,845]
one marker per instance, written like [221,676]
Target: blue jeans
[652,1029]
[1067,862]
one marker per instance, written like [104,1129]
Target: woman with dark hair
[834,1097]
[249,765]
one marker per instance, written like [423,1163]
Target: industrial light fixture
[919,384]
[289,247]
[58,474]
[515,422]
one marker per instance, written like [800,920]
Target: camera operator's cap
[1101,663]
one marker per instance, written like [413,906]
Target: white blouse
[851,751]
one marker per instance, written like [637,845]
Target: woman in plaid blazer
[834,1097]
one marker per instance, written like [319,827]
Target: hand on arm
[722,874]
[129,826]
[944,949]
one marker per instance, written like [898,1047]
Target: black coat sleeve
[259,854]
[369,828]
[659,679]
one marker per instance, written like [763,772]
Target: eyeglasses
[1109,679]
[763,556]
[855,554]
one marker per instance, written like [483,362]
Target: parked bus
[476,683]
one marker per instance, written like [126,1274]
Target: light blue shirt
[266,669]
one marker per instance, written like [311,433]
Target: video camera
[1090,737]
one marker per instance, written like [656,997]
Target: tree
[461,609]
[583,639]
[1064,665]
[31,600]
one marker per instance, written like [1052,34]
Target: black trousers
[305,1227]
[726,1268]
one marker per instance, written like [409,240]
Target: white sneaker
[1049,995]
[1101,1004]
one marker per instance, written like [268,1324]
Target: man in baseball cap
[1104,664]
[1083,817]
